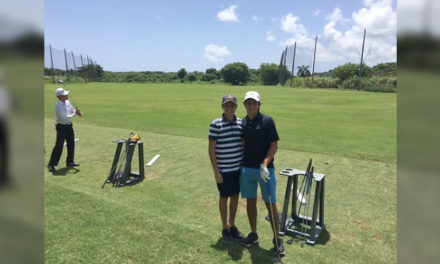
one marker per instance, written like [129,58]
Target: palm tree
[303,71]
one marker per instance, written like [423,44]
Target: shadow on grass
[322,240]
[64,171]
[235,250]
[260,255]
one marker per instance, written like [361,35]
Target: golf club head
[61,82]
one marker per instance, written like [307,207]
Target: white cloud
[317,12]
[330,32]
[336,16]
[379,19]
[256,19]
[269,36]
[215,53]
[228,14]
[289,24]
[338,46]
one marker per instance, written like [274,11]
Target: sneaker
[236,235]
[281,248]
[226,235]
[72,164]
[251,239]
[51,168]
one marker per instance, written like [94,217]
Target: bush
[181,73]
[213,72]
[302,82]
[209,77]
[373,84]
[269,73]
[324,82]
[349,70]
[192,77]
[235,73]
[318,82]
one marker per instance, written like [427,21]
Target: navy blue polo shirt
[258,134]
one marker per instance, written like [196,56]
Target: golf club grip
[302,186]
[309,180]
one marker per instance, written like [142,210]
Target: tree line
[381,77]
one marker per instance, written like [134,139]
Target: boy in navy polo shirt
[260,145]
[226,155]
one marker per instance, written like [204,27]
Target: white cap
[252,95]
[61,92]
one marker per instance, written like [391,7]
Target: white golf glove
[264,173]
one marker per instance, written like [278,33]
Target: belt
[66,124]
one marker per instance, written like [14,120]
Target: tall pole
[74,66]
[314,56]
[280,73]
[293,65]
[284,66]
[73,59]
[51,61]
[67,68]
[82,62]
[362,57]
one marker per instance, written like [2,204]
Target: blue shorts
[249,180]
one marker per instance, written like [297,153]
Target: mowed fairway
[172,216]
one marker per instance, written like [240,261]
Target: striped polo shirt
[228,149]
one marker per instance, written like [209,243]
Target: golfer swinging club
[64,114]
[226,154]
[260,145]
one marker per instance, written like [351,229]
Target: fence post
[293,65]
[67,68]
[362,57]
[51,61]
[74,66]
[314,56]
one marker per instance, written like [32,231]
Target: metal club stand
[128,177]
[287,222]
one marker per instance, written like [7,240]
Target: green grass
[172,216]
[344,123]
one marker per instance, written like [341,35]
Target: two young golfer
[242,154]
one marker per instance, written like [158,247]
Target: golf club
[70,95]
[308,194]
[120,168]
[301,190]
[272,222]
[116,167]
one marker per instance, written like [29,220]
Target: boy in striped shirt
[226,154]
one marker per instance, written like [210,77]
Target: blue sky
[196,35]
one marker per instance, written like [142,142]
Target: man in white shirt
[64,114]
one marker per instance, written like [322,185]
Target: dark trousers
[64,132]
[4,154]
